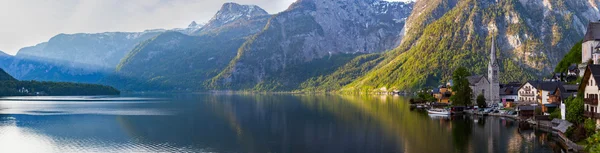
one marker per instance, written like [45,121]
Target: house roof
[593,32]
[473,80]
[571,87]
[509,90]
[546,85]
[595,72]
[573,67]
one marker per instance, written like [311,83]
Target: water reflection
[264,123]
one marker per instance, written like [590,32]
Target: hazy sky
[29,22]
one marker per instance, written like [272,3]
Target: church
[488,86]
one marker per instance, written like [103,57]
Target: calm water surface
[250,123]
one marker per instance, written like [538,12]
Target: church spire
[493,52]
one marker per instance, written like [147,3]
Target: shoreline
[569,145]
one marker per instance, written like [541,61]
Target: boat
[438,112]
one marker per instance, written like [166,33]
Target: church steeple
[493,75]
[493,52]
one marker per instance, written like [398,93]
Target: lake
[250,123]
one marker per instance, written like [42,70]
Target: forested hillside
[463,35]
[10,86]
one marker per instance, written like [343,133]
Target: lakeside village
[565,105]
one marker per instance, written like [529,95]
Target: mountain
[174,61]
[531,36]
[192,27]
[5,76]
[91,52]
[312,38]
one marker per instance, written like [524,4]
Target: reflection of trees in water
[412,131]
[461,133]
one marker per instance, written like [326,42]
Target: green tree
[555,114]
[481,101]
[463,92]
[573,57]
[590,126]
[593,143]
[574,110]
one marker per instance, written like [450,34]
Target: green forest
[9,86]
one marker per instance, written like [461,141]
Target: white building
[591,92]
[590,49]
[528,93]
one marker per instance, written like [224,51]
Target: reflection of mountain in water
[321,123]
[263,123]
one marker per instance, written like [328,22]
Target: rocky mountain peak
[193,24]
[230,12]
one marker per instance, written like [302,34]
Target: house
[558,96]
[559,77]
[591,90]
[590,49]
[509,93]
[573,71]
[479,85]
[443,94]
[527,93]
[537,91]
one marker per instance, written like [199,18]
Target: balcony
[527,94]
[591,114]
[591,101]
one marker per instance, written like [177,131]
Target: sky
[29,22]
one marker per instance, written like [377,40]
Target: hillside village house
[591,90]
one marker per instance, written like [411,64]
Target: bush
[574,110]
[590,126]
[555,114]
[481,101]
[593,143]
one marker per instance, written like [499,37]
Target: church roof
[473,80]
[593,32]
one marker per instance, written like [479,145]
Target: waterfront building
[509,93]
[527,93]
[591,90]
[443,94]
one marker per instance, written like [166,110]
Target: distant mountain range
[319,45]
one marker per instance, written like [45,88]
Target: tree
[463,92]
[481,101]
[424,95]
[593,143]
[574,110]
[590,126]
